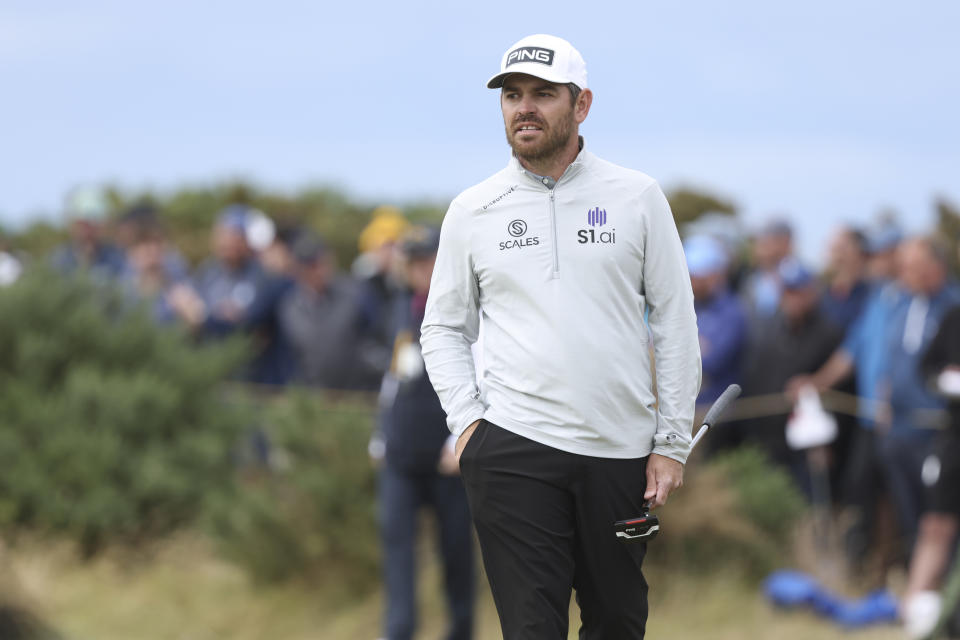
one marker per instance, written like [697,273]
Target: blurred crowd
[310,322]
[859,328]
[858,334]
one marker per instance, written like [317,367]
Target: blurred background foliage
[312,514]
[113,429]
[189,212]
[119,433]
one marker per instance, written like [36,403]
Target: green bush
[314,515]
[737,511]
[766,494]
[111,429]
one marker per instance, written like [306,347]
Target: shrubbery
[738,510]
[110,428]
[114,430]
[314,515]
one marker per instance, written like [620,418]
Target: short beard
[555,141]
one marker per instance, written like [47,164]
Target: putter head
[640,529]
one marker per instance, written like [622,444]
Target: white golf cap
[548,57]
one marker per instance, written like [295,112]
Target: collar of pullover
[572,169]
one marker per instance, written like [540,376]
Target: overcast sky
[823,110]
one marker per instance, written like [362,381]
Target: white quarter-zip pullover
[563,274]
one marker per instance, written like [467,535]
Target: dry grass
[183,592]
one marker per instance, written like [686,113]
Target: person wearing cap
[797,340]
[227,282]
[418,468]
[232,293]
[721,320]
[88,250]
[560,256]
[772,245]
[380,283]
[153,266]
[140,221]
[320,319]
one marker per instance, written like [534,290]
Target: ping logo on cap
[530,54]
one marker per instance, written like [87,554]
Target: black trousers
[544,518]
[863,487]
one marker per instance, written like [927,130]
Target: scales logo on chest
[597,217]
[518,229]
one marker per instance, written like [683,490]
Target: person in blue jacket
[721,319]
[907,438]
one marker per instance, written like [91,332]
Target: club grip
[720,405]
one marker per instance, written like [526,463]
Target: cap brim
[535,70]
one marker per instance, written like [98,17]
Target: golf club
[646,526]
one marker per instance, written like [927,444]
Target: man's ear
[582,106]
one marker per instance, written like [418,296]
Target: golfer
[561,256]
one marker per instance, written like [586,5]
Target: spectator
[797,340]
[380,284]
[721,320]
[847,287]
[277,258]
[941,472]
[88,248]
[320,319]
[862,352]
[232,293]
[761,288]
[905,442]
[273,251]
[227,283]
[882,244]
[153,267]
[420,468]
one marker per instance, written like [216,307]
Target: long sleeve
[673,324]
[451,324]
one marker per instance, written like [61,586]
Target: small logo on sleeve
[517,229]
[499,198]
[596,217]
[530,54]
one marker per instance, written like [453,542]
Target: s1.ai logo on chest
[596,217]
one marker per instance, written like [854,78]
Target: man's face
[844,253]
[85,231]
[146,254]
[317,273]
[419,271]
[796,304]
[882,265]
[706,286]
[769,249]
[229,245]
[920,272]
[539,116]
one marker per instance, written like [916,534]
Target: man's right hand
[464,437]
